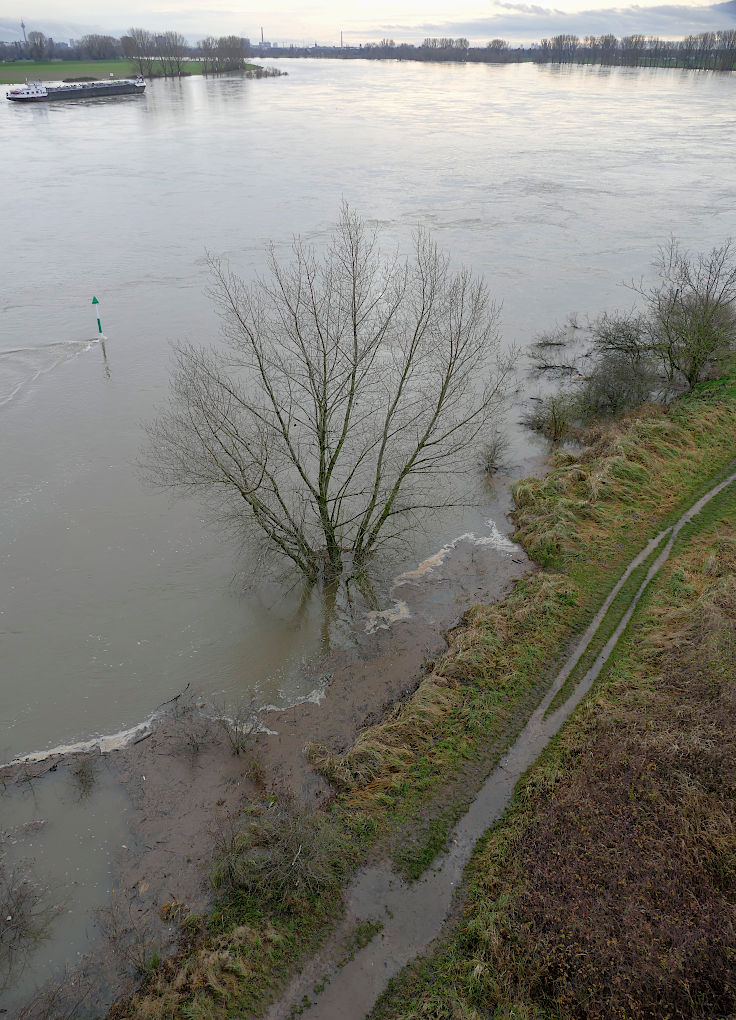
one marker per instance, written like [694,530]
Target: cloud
[527,23]
[10,29]
[519,22]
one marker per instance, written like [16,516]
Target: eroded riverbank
[591,515]
[411,916]
[165,792]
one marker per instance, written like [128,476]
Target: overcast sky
[300,21]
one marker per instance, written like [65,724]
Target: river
[556,184]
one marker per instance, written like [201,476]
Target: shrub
[553,416]
[281,852]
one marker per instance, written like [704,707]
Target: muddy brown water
[413,914]
[113,598]
[160,802]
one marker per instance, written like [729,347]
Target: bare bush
[493,451]
[281,852]
[692,310]
[552,416]
[26,915]
[240,723]
[134,947]
[64,999]
[615,384]
[84,774]
[194,730]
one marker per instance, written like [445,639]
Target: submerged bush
[553,416]
[619,361]
[615,384]
[26,914]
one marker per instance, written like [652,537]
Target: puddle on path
[413,915]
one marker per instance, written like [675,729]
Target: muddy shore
[183,784]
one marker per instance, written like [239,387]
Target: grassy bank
[609,889]
[57,70]
[405,781]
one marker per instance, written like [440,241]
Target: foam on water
[495,539]
[105,744]
[21,367]
[383,619]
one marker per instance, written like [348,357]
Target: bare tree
[99,47]
[231,53]
[171,49]
[692,310]
[140,46]
[351,385]
[37,44]
[208,51]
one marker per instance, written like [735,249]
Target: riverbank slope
[405,780]
[609,888]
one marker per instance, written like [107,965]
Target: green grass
[712,512]
[613,617]
[57,70]
[405,781]
[638,785]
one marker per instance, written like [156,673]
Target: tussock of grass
[635,471]
[589,517]
[280,853]
[609,890]
[221,972]
[492,663]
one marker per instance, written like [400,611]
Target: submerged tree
[350,389]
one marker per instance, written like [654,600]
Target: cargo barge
[38,92]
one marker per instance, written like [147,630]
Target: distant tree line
[164,53]
[708,51]
[152,53]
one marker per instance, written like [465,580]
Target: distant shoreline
[18,71]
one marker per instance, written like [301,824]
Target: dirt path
[412,915]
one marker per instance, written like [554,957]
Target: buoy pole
[99,324]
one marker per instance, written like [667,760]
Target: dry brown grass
[199,985]
[635,470]
[610,893]
[479,675]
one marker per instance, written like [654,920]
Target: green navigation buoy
[99,324]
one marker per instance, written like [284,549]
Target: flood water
[556,184]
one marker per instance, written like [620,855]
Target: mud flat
[166,791]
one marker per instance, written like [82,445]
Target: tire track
[413,915]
